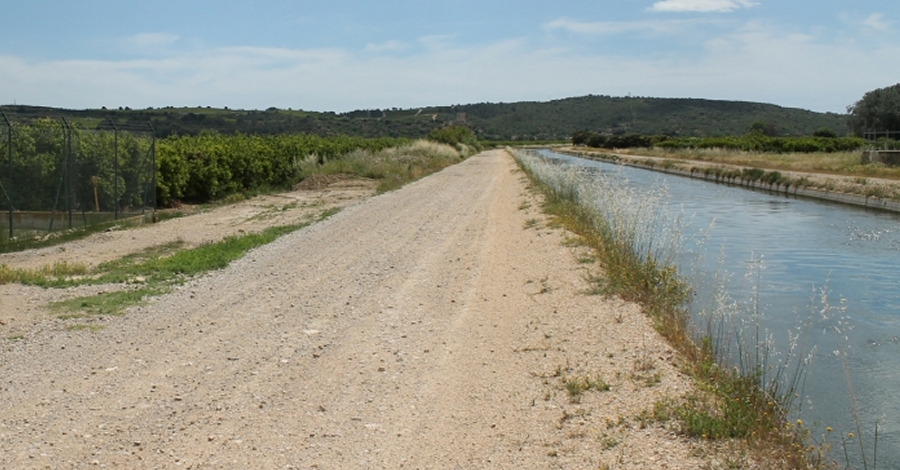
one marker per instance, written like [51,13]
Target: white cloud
[751,63]
[878,22]
[704,6]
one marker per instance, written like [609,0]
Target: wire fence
[876,135]
[58,175]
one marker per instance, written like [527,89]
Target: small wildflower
[799,422]
[828,429]
[850,435]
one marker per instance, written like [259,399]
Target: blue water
[790,250]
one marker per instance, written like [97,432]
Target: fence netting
[58,175]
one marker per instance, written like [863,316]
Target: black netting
[56,175]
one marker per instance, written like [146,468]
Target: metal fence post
[9,155]
[115,169]
[153,168]
[67,159]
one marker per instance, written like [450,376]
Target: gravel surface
[430,327]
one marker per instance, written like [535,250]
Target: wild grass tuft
[46,276]
[576,386]
[579,385]
[107,303]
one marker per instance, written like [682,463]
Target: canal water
[811,273]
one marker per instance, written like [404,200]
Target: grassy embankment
[155,271]
[635,245]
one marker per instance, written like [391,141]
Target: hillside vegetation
[552,120]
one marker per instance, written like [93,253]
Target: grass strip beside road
[155,271]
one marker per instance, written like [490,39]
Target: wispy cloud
[878,22]
[276,55]
[704,6]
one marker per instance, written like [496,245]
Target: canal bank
[790,282]
[732,175]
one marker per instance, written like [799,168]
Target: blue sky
[342,55]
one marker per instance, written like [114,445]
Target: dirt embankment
[439,326]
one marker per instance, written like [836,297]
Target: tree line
[751,142]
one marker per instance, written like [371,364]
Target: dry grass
[837,163]
[391,167]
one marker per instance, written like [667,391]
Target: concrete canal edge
[869,202]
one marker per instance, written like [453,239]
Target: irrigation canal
[777,256]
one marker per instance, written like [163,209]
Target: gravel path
[430,327]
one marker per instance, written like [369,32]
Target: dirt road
[431,327]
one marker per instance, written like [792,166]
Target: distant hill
[683,117]
[553,120]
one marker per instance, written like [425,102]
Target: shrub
[454,135]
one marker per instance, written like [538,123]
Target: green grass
[157,269]
[190,262]
[107,303]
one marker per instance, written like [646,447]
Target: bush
[454,135]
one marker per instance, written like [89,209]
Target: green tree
[760,127]
[878,110]
[825,132]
